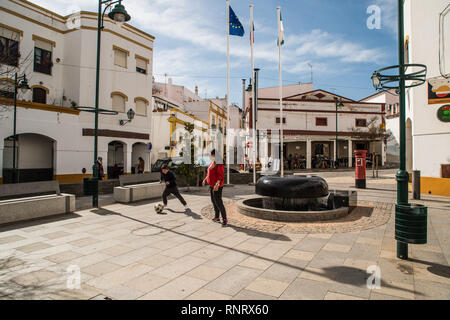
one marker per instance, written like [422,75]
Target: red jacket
[215,172]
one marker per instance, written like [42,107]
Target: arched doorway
[116,159]
[409,146]
[35,158]
[139,149]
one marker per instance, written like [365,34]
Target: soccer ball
[159,208]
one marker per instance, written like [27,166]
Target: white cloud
[191,41]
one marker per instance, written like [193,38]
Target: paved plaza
[130,252]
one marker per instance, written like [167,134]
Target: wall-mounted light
[130,115]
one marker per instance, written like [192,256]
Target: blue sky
[332,35]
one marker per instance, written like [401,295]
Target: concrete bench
[31,200]
[138,187]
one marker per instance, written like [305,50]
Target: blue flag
[236,28]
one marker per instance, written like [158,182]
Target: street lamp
[410,219]
[120,15]
[24,87]
[338,103]
[130,115]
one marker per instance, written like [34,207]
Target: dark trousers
[175,192]
[216,199]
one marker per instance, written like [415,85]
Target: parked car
[171,162]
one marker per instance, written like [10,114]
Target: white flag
[280,30]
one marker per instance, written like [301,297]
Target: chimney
[196,90]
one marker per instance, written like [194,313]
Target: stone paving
[129,252]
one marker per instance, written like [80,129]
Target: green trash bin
[89,186]
[411,223]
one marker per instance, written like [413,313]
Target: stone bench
[137,187]
[31,200]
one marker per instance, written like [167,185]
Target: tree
[10,63]
[189,170]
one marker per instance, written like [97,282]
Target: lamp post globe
[119,14]
[130,114]
[23,86]
[376,80]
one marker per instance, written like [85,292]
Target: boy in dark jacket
[171,186]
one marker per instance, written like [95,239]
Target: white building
[309,125]
[58,57]
[428,135]
[168,128]
[391,100]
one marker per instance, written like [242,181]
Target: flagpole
[228,88]
[281,95]
[252,37]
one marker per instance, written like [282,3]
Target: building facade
[58,56]
[427,127]
[309,129]
[168,130]
[391,100]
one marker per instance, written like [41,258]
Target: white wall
[430,135]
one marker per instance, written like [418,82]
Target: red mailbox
[360,171]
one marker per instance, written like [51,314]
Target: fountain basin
[292,187]
[254,208]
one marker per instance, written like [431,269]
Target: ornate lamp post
[24,87]
[410,220]
[120,15]
[339,103]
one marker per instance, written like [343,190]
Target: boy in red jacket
[215,179]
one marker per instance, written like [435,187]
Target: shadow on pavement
[434,268]
[343,274]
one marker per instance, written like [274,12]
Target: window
[362,123]
[141,65]
[42,55]
[7,88]
[120,57]
[321,122]
[118,103]
[277,120]
[9,47]
[39,95]
[141,107]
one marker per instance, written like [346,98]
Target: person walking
[215,180]
[170,180]
[141,166]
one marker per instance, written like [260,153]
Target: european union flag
[236,28]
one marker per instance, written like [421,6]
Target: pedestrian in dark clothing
[215,180]
[141,166]
[169,179]
[101,172]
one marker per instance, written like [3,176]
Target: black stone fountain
[297,199]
